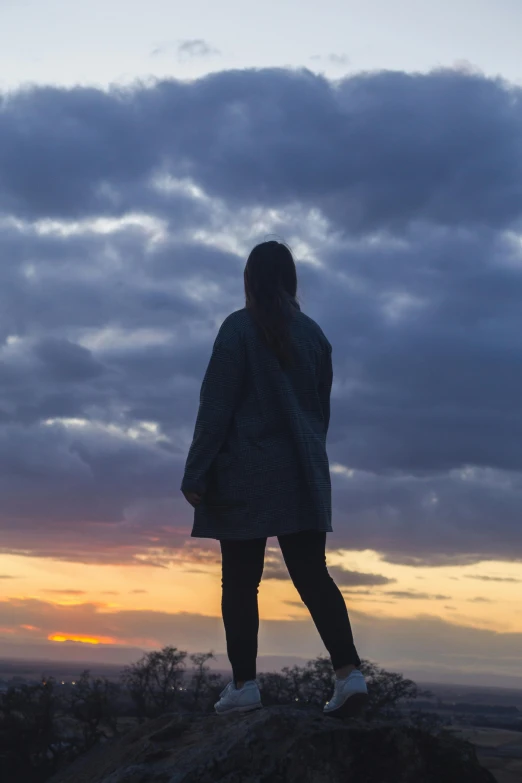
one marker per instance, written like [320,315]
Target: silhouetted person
[258,467]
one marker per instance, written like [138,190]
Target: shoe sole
[248,708]
[351,708]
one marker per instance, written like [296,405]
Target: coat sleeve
[219,397]
[325,385]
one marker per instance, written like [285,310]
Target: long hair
[270,295]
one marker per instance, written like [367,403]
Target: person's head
[270,279]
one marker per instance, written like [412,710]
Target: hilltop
[278,744]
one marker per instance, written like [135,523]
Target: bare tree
[30,748]
[313,684]
[386,689]
[93,703]
[155,680]
[276,688]
[203,685]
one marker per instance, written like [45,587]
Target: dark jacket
[258,455]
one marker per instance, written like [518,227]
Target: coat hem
[217,537]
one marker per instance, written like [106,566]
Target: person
[258,467]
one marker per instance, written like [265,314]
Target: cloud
[413,594]
[332,58]
[187,49]
[275,569]
[359,151]
[421,643]
[343,576]
[196,47]
[493,578]
[125,220]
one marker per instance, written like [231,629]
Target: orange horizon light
[72,637]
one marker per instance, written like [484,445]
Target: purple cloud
[125,220]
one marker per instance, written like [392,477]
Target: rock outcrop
[281,744]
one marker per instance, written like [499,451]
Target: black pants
[304,555]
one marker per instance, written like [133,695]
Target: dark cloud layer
[374,152]
[125,220]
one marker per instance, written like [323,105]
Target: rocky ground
[280,744]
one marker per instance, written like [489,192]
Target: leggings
[305,558]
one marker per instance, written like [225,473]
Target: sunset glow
[58,637]
[125,610]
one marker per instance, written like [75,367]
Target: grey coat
[258,455]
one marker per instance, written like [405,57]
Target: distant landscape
[52,713]
[471,704]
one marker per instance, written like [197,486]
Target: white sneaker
[232,699]
[349,698]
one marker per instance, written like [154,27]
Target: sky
[144,150]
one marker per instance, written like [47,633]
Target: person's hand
[193,498]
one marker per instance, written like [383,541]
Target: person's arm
[219,396]
[325,385]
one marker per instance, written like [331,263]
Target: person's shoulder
[239,323]
[237,316]
[233,326]
[312,327]
[235,321]
[241,319]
